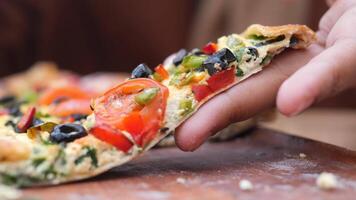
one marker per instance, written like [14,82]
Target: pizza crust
[305,35]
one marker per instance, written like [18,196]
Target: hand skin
[293,82]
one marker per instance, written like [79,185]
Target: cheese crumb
[181,180]
[302,155]
[245,185]
[327,181]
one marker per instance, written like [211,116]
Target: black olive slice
[271,41]
[7,99]
[293,41]
[141,71]
[78,117]
[67,133]
[179,57]
[219,61]
[253,52]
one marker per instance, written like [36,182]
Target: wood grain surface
[270,160]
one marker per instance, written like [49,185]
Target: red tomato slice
[117,109]
[26,120]
[71,106]
[221,79]
[161,71]
[69,92]
[201,91]
[113,137]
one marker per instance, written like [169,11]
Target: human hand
[294,81]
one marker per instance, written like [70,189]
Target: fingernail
[302,107]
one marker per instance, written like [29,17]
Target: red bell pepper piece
[221,79]
[210,48]
[111,136]
[161,71]
[201,91]
[26,120]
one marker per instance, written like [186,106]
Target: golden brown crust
[13,150]
[305,35]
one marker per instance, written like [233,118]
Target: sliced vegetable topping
[215,83]
[136,106]
[219,61]
[26,120]
[161,72]
[111,136]
[186,105]
[7,99]
[70,107]
[221,79]
[210,48]
[65,92]
[239,72]
[179,57]
[293,41]
[146,96]
[67,133]
[90,152]
[271,41]
[141,71]
[192,62]
[201,91]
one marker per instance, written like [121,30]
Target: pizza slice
[39,146]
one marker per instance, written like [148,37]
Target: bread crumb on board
[245,185]
[327,181]
[302,155]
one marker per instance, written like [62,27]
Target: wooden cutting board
[270,160]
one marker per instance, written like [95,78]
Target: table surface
[270,160]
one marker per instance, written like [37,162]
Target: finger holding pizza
[293,82]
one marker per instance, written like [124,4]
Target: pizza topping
[32,132]
[221,79]
[219,61]
[186,106]
[70,107]
[136,107]
[111,136]
[210,48]
[215,83]
[26,120]
[239,72]
[64,92]
[78,117]
[201,91]
[146,96]
[89,152]
[293,41]
[266,60]
[141,71]
[67,133]
[271,41]
[196,52]
[192,62]
[179,57]
[253,52]
[160,73]
[7,99]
